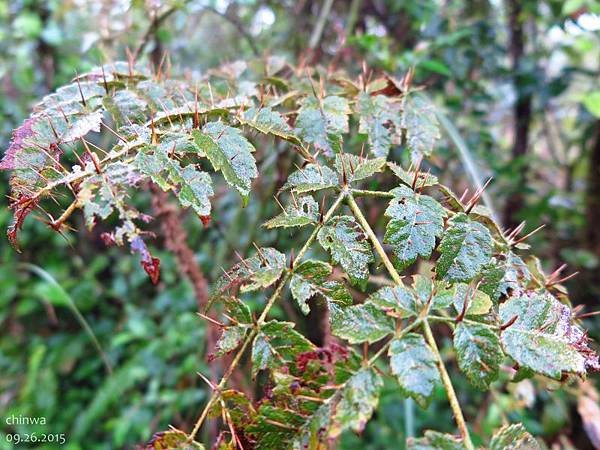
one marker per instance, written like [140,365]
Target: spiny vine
[178,134]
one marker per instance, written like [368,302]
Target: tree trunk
[521,112]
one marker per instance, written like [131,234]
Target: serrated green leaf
[307,281]
[380,121]
[348,245]
[513,437]
[542,337]
[437,292]
[171,440]
[413,363]
[192,187]
[465,249]
[256,272]
[322,122]
[231,337]
[399,298]
[267,121]
[311,178]
[360,323]
[424,179]
[303,211]
[126,107]
[276,344]
[478,353]
[478,302]
[416,220]
[358,400]
[229,152]
[357,168]
[311,432]
[421,125]
[434,440]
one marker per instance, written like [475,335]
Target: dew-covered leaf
[380,121]
[171,440]
[421,125]
[542,336]
[270,122]
[398,298]
[348,245]
[276,344]
[126,107]
[301,211]
[312,177]
[434,440]
[358,400]
[478,352]
[231,337]
[308,280]
[513,437]
[360,323]
[505,275]
[357,168]
[322,122]
[466,247]
[478,302]
[423,179]
[413,363]
[192,187]
[256,272]
[416,220]
[229,152]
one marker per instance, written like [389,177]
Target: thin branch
[315,37]
[238,26]
[452,398]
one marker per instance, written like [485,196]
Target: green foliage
[347,243]
[168,133]
[413,362]
[415,223]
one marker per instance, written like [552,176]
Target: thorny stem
[452,398]
[374,240]
[261,320]
[367,193]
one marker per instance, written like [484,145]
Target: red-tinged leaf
[171,440]
[205,221]
[16,144]
[152,268]
[150,264]
[21,207]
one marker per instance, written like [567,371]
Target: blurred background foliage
[88,343]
